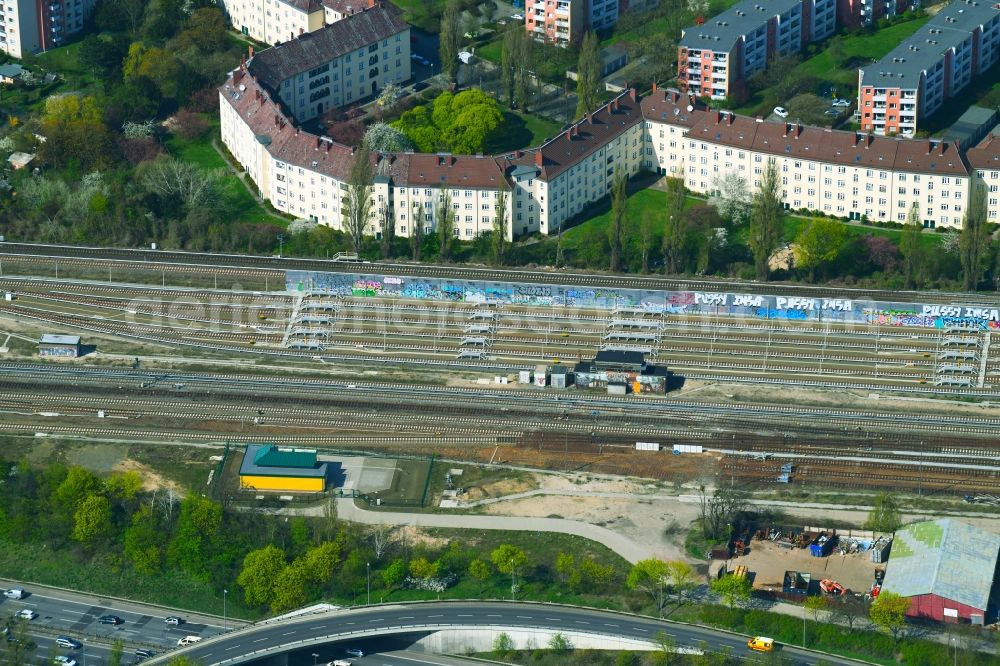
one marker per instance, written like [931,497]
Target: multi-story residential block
[557,21]
[914,79]
[984,160]
[33,26]
[602,14]
[716,58]
[338,64]
[843,174]
[276,21]
[863,13]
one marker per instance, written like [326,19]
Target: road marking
[405,617]
[522,617]
[582,622]
[232,647]
[461,615]
[493,615]
[378,619]
[288,633]
[438,615]
[610,625]
[260,640]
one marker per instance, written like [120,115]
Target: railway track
[250,263]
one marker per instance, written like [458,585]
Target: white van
[339,662]
[14,593]
[188,640]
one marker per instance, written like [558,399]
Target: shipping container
[822,545]
[524,377]
[617,388]
[688,448]
[541,375]
[880,550]
[647,446]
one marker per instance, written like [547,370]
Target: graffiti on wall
[690,303]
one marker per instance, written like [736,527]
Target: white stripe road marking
[289,633]
[493,615]
[582,622]
[460,615]
[523,617]
[405,617]
[610,625]
[438,615]
[232,647]
[260,640]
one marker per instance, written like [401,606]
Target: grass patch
[521,130]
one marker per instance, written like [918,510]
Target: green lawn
[200,151]
[839,66]
[522,130]
[491,51]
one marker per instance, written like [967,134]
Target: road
[628,549]
[76,615]
[350,628]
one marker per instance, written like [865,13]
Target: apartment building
[560,22]
[863,13]
[984,160]
[716,58]
[276,21]
[914,79]
[33,26]
[338,64]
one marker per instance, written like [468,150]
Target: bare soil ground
[768,563]
[150,479]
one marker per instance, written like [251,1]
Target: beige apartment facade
[279,21]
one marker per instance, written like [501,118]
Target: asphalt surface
[380,622]
[76,615]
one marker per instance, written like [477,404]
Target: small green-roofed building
[946,567]
[271,455]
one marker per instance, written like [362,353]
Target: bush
[190,125]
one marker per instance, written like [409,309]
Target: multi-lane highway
[77,615]
[357,628]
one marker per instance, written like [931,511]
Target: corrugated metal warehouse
[946,567]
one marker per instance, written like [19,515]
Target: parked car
[143,653]
[517,17]
[15,593]
[26,614]
[780,112]
[174,620]
[110,619]
[188,640]
[832,112]
[64,661]
[844,103]
[354,652]
[67,642]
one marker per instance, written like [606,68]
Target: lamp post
[281,243]
[512,585]
[368,572]
[225,618]
[315,657]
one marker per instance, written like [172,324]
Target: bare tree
[616,231]
[359,196]
[388,230]
[177,180]
[675,229]
[500,228]
[719,510]
[380,536]
[445,224]
[417,230]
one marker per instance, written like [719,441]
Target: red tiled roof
[455,171]
[986,154]
[585,136]
[670,105]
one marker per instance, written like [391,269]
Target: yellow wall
[315,485]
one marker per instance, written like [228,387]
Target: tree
[123,486]
[386,99]
[291,587]
[975,239]
[450,38]
[682,578]
[616,230]
[117,650]
[565,567]
[197,525]
[888,612]
[359,196]
[733,589]
[509,560]
[205,29]
[588,75]
[143,542]
[388,226]
[384,138]
[499,239]
[646,223]
[423,568]
[666,648]
[885,514]
[394,574]
[445,225]
[525,63]
[559,643]
[766,213]
[480,570]
[503,645]
[417,230]
[92,519]
[816,606]
[460,123]
[909,246]
[731,197]
[809,109]
[182,183]
[650,576]
[319,562]
[259,574]
[719,510]
[675,228]
[819,244]
[508,60]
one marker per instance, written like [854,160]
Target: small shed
[541,376]
[558,376]
[59,346]
[10,73]
[20,160]
[270,467]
